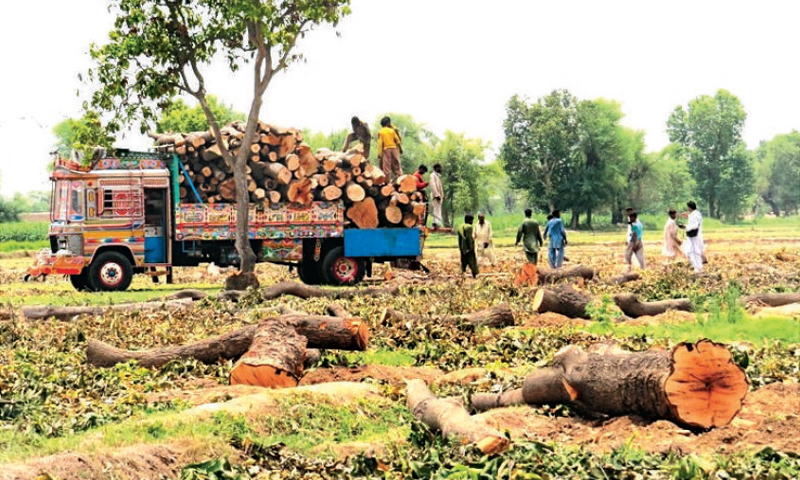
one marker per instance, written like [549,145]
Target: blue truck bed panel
[382,242]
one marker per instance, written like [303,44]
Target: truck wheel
[110,271]
[309,273]
[340,270]
[81,281]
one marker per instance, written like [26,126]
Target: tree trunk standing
[589,218]
[575,220]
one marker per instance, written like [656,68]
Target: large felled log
[632,307]
[695,385]
[306,291]
[772,299]
[275,356]
[41,312]
[552,276]
[497,316]
[452,419]
[623,278]
[563,299]
[320,331]
[364,214]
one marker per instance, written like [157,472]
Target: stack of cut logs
[281,168]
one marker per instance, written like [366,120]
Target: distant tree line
[575,155]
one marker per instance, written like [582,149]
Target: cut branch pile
[281,168]
[695,386]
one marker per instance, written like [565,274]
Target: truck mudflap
[383,242]
[61,263]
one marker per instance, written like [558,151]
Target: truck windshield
[69,201]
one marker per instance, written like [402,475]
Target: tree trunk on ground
[547,276]
[275,356]
[564,300]
[498,316]
[322,332]
[452,419]
[632,307]
[772,299]
[695,386]
[41,312]
[306,291]
[624,278]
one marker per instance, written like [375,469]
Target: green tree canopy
[82,135]
[180,117]
[462,175]
[778,179]
[541,151]
[710,131]
[157,50]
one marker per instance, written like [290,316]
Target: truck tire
[340,270]
[81,281]
[110,271]
[310,273]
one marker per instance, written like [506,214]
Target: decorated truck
[122,215]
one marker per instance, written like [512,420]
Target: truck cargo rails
[120,216]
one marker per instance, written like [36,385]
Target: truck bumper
[60,264]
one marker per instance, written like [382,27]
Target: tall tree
[180,117]
[81,135]
[778,179]
[541,150]
[461,159]
[160,48]
[710,131]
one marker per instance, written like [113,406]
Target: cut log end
[705,388]
[262,376]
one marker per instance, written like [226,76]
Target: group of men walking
[474,240]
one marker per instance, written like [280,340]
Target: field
[349,417]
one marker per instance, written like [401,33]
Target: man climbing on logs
[360,133]
[530,236]
[466,246]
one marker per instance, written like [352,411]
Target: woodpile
[282,168]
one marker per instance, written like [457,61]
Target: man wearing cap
[483,239]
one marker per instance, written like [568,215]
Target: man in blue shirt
[634,245]
[558,239]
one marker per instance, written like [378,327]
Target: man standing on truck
[389,150]
[361,133]
[437,193]
[466,246]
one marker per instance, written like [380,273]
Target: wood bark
[563,299]
[452,419]
[497,316]
[41,312]
[695,385]
[306,291]
[274,358]
[321,332]
[632,307]
[772,299]
[623,278]
[547,275]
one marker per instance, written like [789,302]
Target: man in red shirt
[421,186]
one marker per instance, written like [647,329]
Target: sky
[451,64]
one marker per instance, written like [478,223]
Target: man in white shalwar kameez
[483,239]
[693,247]
[437,194]
[672,246]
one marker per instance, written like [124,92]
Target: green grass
[23,232]
[306,424]
[747,329]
